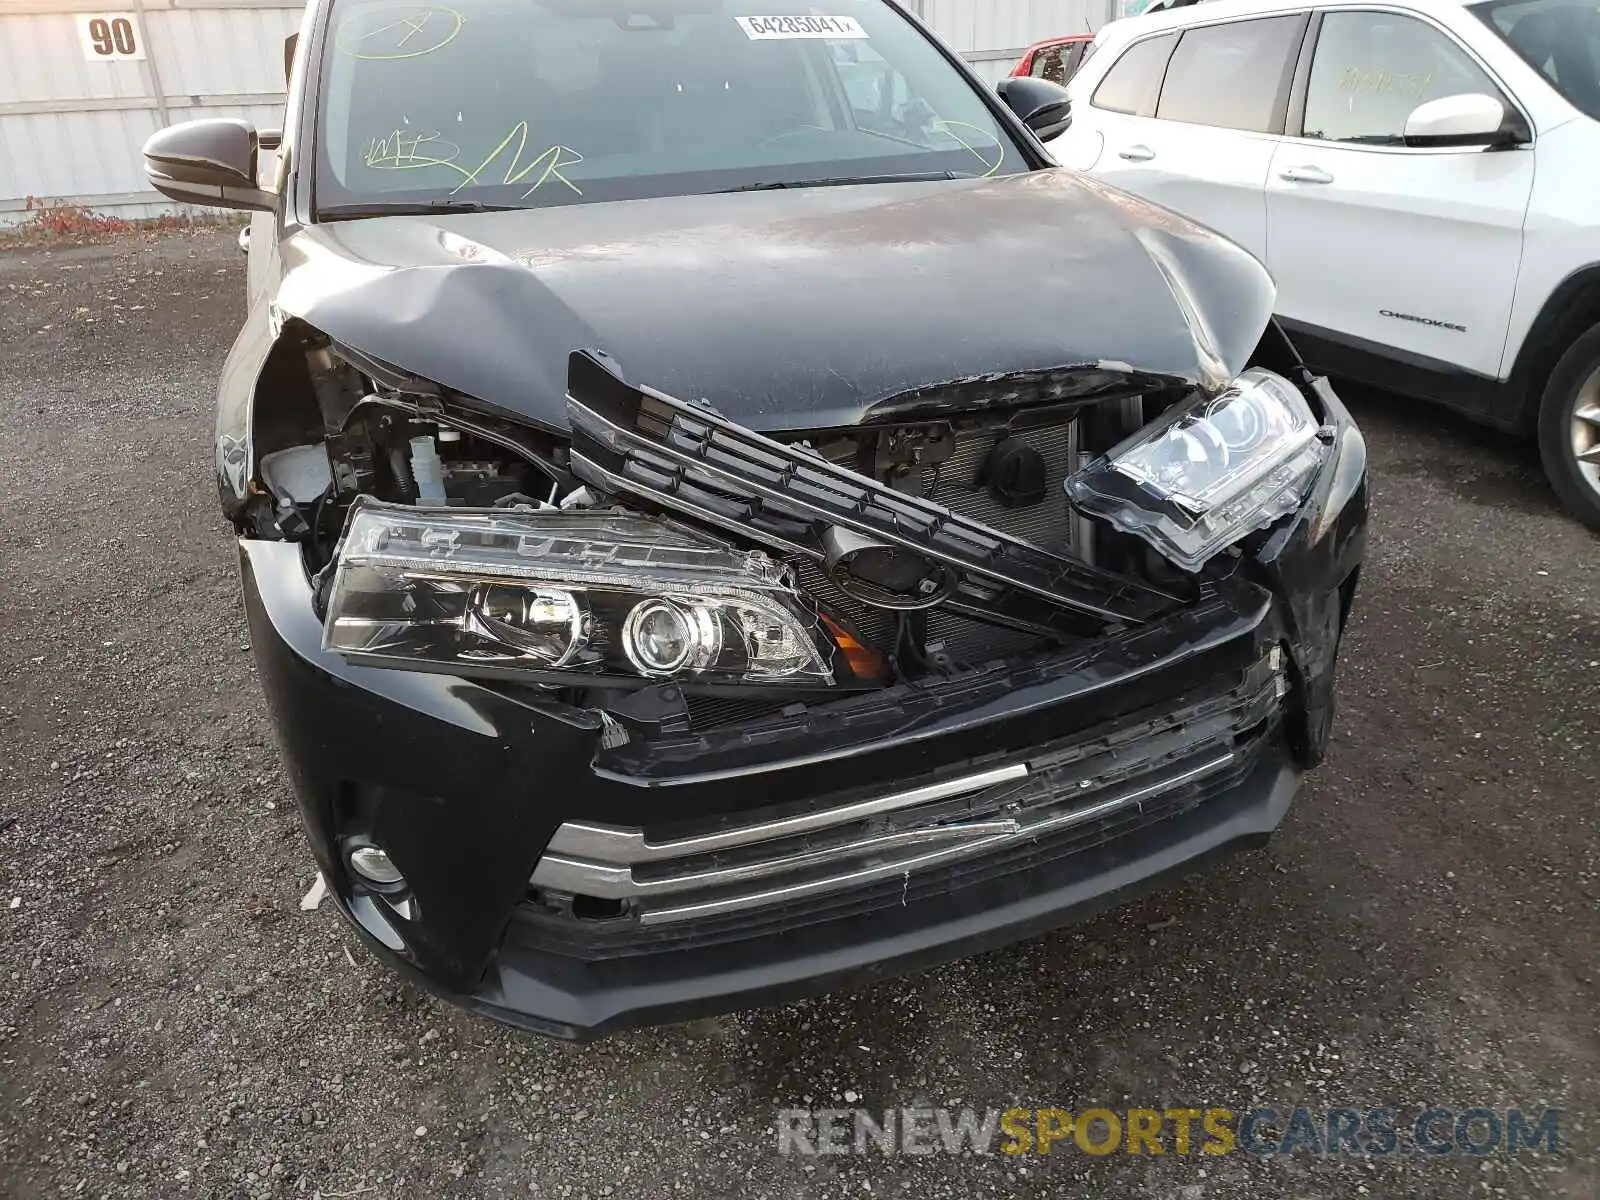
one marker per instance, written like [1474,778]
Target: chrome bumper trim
[598,860]
[611,844]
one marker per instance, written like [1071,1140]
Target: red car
[1055,58]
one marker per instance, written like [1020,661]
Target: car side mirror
[211,162]
[1471,119]
[1043,106]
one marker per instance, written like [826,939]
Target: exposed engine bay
[928,544]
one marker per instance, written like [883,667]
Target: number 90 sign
[107,36]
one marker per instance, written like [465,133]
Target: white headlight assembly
[1206,474]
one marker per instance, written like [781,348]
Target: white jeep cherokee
[1422,177]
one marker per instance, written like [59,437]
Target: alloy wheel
[1585,431]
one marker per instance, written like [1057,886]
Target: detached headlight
[591,593]
[1208,473]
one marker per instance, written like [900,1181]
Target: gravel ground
[1423,930]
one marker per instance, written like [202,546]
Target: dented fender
[236,396]
[1312,564]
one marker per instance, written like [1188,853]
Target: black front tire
[1575,381]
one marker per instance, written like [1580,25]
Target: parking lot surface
[1424,930]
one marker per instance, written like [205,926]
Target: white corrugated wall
[72,123]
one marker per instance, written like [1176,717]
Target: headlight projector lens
[545,623]
[661,638]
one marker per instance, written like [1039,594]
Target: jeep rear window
[1558,38]
[1135,78]
[543,102]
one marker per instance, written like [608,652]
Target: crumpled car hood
[791,309]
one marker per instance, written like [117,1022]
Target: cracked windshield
[544,102]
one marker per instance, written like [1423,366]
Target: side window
[1134,79]
[1071,59]
[1057,63]
[1047,64]
[1371,69]
[1235,76]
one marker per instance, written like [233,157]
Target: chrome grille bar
[610,844]
[609,855]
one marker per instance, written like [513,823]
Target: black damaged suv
[724,516]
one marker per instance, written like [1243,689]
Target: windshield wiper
[410,208]
[844,180]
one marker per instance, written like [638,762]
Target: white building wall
[72,123]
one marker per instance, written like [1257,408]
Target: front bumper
[1173,739]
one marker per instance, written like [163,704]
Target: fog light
[373,865]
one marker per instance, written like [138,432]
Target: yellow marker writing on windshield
[415,149]
[406,31]
[411,149]
[1000,154]
[549,162]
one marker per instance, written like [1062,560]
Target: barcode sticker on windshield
[766,29]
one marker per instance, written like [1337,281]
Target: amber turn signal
[864,661]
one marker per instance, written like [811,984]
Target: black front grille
[719,712]
[694,460]
[971,643]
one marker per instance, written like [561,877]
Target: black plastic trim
[1560,322]
[1346,356]
[1294,122]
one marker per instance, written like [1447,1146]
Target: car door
[1372,241]
[1205,145]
